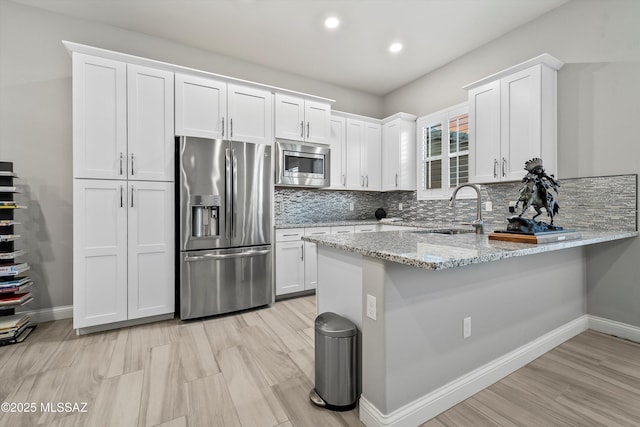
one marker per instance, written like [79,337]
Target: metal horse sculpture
[535,190]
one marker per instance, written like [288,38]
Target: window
[443,152]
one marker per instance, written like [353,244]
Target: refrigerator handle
[227,201]
[234,194]
[210,256]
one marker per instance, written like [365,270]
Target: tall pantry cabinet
[123,201]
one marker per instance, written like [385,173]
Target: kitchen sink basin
[450,231]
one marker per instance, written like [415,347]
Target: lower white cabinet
[296,261]
[123,251]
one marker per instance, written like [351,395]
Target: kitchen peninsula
[444,316]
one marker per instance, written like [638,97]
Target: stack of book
[14,328]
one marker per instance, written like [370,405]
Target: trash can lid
[333,325]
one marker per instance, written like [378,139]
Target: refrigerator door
[226,280]
[203,172]
[251,186]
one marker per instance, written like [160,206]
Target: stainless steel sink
[450,231]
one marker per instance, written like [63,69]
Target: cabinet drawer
[369,228]
[317,231]
[342,229]
[289,234]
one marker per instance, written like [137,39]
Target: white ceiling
[289,34]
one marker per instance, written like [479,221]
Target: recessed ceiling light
[331,22]
[395,47]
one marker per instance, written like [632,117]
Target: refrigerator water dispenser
[204,216]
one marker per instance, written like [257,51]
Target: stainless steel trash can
[336,366]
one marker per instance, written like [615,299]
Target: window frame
[442,118]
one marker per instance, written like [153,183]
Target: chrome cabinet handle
[132,173]
[230,128]
[302,129]
[132,196]
[307,130]
[121,198]
[396,180]
[495,168]
[367,181]
[222,125]
[504,164]
[290,235]
[302,252]
[121,161]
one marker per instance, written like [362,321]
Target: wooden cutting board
[536,238]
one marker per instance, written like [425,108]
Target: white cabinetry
[338,153]
[122,120]
[99,117]
[209,108]
[363,150]
[123,203]
[513,118]
[201,107]
[296,261]
[399,152]
[302,119]
[123,251]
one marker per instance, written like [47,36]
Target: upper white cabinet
[201,107]
[250,114]
[150,124]
[364,156]
[302,119]
[398,152]
[513,118]
[209,108]
[99,117]
[122,120]
[338,146]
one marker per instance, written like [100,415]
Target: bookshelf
[15,284]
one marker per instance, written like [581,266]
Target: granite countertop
[438,252]
[329,224]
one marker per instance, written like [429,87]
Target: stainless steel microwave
[302,164]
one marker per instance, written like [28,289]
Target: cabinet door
[250,115]
[520,121]
[151,283]
[289,115]
[484,133]
[372,160]
[289,267]
[150,124]
[338,152]
[354,143]
[310,252]
[391,155]
[200,107]
[317,122]
[99,117]
[99,252]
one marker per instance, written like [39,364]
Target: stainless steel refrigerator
[225,226]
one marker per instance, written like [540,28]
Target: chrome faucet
[478,224]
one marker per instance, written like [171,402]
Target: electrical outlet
[399,206]
[488,206]
[466,327]
[371,307]
[351,207]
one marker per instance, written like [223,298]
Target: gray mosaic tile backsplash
[598,203]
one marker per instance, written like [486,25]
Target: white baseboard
[611,327]
[49,314]
[450,394]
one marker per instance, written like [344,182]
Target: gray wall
[598,107]
[35,121]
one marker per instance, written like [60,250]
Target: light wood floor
[256,369]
